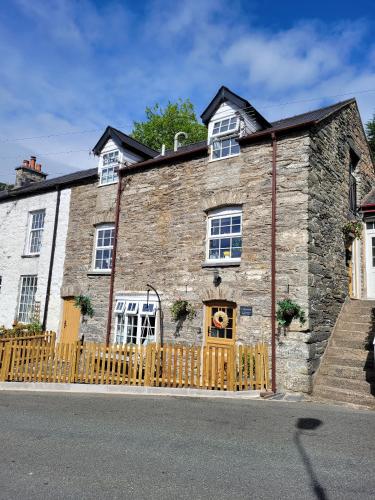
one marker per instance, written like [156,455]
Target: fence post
[148,365]
[6,362]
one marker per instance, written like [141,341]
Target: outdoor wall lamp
[217,278]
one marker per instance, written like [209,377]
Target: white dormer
[227,118]
[115,150]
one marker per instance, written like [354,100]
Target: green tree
[4,186]
[370,131]
[162,124]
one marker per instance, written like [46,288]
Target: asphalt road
[64,446]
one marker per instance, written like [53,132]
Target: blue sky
[69,68]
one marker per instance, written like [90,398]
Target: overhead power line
[225,114]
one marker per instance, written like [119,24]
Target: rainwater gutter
[114,253]
[273,264]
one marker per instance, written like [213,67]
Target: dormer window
[224,138]
[109,168]
[226,126]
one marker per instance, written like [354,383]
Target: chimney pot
[25,163]
[38,167]
[32,162]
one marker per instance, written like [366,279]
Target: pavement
[94,446]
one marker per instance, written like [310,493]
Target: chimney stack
[29,172]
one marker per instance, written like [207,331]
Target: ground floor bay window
[135,321]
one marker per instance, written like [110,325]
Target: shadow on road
[309,424]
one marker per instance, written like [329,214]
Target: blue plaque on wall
[246,310]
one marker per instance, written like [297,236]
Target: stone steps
[356,326]
[352,343]
[364,318]
[359,386]
[347,371]
[339,395]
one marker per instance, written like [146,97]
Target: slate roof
[311,116]
[224,94]
[305,119]
[125,140]
[64,181]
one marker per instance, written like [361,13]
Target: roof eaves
[270,131]
[62,182]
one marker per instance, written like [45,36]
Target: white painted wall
[227,110]
[14,217]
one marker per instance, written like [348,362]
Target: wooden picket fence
[234,368]
[45,338]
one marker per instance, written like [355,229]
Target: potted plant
[287,311]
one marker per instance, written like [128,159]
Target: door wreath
[220,319]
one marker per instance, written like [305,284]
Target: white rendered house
[34,219]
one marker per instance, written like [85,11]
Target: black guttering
[63,182]
[125,140]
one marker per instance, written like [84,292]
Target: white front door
[370,259]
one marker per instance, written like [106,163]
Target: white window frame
[120,306]
[110,167]
[220,140]
[32,231]
[126,319]
[102,227]
[27,298]
[229,131]
[222,213]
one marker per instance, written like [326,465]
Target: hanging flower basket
[182,309]
[352,230]
[287,311]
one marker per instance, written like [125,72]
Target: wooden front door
[220,324]
[70,321]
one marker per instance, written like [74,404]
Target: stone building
[90,235]
[196,225]
[34,221]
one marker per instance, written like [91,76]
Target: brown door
[70,321]
[221,323]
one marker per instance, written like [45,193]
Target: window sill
[211,160]
[30,255]
[222,263]
[99,273]
[107,184]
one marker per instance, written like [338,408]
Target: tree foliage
[4,186]
[162,124]
[370,131]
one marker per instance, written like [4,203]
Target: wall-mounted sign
[246,311]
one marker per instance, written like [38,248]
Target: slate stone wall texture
[90,205]
[162,234]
